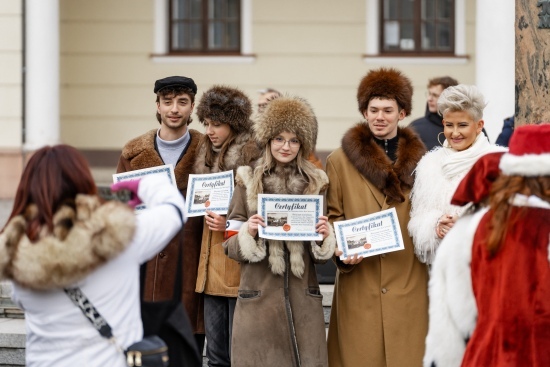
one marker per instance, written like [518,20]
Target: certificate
[369,235]
[290,217]
[167,170]
[212,191]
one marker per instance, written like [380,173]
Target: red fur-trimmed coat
[140,153]
[379,311]
[492,310]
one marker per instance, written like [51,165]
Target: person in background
[269,94]
[440,171]
[279,314]
[227,144]
[172,143]
[379,313]
[506,133]
[430,126]
[61,235]
[490,282]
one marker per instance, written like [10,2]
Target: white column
[495,61]
[42,73]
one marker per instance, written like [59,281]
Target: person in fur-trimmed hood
[279,315]
[61,235]
[379,313]
[227,144]
[490,281]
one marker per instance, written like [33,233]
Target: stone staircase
[12,326]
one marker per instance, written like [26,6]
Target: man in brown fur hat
[379,312]
[172,143]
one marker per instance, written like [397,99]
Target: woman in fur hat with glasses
[379,312]
[279,315]
[490,281]
[227,144]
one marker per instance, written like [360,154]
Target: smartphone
[106,193]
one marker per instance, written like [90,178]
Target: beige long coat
[279,317]
[379,312]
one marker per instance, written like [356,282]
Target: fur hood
[82,240]
[293,114]
[241,152]
[386,83]
[226,105]
[370,160]
[284,180]
[141,153]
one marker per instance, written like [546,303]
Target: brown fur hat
[292,114]
[226,105]
[386,83]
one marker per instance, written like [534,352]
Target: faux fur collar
[82,240]
[242,152]
[370,160]
[141,153]
[279,183]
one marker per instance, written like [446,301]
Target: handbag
[169,320]
[151,351]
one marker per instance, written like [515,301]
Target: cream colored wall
[11,155]
[10,75]
[312,48]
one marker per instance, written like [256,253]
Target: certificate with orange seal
[290,217]
[212,191]
[369,235]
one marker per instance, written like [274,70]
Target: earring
[439,141]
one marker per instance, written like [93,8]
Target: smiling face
[382,116]
[285,147]
[460,129]
[174,112]
[217,132]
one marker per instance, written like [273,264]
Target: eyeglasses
[433,95]
[279,142]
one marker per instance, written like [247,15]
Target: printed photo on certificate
[166,169]
[369,235]
[290,217]
[212,191]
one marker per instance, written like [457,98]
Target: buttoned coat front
[141,153]
[379,313]
[279,317]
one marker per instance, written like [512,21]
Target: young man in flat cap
[172,143]
[379,312]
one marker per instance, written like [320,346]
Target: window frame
[204,51]
[160,52]
[418,22]
[372,41]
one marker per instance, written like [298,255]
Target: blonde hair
[462,97]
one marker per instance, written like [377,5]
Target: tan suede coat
[219,275]
[278,319]
[140,153]
[379,313]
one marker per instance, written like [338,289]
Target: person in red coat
[490,284]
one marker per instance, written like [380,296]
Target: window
[417,27]
[205,27]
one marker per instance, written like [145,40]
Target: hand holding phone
[131,186]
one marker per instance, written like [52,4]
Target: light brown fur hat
[292,114]
[227,105]
[385,83]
